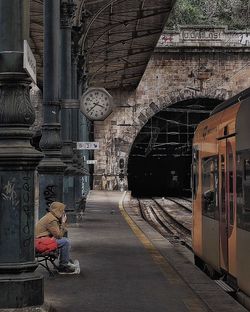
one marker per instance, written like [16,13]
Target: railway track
[184,202]
[171,217]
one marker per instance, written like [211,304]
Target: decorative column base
[21,290]
[69,199]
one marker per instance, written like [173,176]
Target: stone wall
[204,36]
[171,76]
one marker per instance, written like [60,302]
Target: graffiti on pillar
[9,193]
[26,207]
[50,194]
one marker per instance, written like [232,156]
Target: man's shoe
[71,264]
[68,268]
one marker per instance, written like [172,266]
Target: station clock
[96,104]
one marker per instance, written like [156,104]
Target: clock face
[96,104]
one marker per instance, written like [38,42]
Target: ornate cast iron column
[51,168]
[20,286]
[78,155]
[67,12]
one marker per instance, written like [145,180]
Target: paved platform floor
[126,266]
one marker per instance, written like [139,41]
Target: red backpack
[45,244]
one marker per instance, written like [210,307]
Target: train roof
[235,99]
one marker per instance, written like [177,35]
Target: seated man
[53,225]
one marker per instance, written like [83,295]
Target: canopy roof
[117,37]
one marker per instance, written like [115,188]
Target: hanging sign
[87,145]
[29,61]
[91,162]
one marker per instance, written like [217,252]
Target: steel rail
[164,222]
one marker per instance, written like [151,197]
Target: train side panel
[213,241]
[243,260]
[210,242]
[205,226]
[243,196]
[227,192]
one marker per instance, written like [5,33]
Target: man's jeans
[64,247]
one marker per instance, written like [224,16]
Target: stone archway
[119,137]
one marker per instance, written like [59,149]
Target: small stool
[44,258]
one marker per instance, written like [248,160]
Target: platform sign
[91,162]
[87,145]
[29,61]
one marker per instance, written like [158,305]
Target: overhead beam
[165,143]
[169,133]
[134,35]
[123,79]
[131,52]
[186,110]
[155,10]
[122,69]
[103,64]
[139,16]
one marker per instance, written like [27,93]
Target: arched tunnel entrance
[160,159]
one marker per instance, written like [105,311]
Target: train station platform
[126,266]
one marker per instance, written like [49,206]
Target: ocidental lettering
[201,35]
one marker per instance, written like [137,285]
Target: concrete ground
[126,266]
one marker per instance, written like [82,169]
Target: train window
[247,169]
[223,187]
[243,193]
[209,187]
[246,197]
[195,171]
[246,187]
[226,130]
[231,183]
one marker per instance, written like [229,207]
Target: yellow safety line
[193,303]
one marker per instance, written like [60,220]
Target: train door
[227,187]
[222,206]
[231,204]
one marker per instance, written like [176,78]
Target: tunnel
[159,162]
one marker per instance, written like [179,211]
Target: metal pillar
[85,124]
[78,157]
[67,11]
[20,286]
[51,168]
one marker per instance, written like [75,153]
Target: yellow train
[221,192]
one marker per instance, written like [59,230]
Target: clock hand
[100,105]
[92,108]
[97,104]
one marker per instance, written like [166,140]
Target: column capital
[70,104]
[67,11]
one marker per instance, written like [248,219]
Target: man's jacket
[50,224]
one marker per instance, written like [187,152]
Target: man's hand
[64,218]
